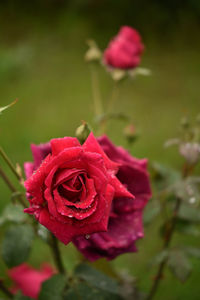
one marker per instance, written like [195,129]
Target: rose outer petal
[120,237]
[92,145]
[58,145]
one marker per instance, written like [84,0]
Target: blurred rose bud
[185,123]
[93,53]
[29,280]
[191,152]
[124,51]
[82,132]
[130,133]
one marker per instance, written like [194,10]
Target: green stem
[98,109]
[114,97]
[111,103]
[10,164]
[168,237]
[56,254]
[4,289]
[7,181]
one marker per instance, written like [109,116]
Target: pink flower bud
[124,51]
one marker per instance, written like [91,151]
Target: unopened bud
[82,132]
[93,53]
[185,123]
[130,133]
[191,152]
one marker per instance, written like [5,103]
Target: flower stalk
[98,109]
[114,96]
[56,254]
[7,181]
[187,169]
[10,164]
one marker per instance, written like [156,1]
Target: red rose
[71,192]
[125,222]
[29,280]
[124,51]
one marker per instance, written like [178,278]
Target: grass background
[41,63]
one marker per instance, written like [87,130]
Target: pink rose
[72,188]
[125,220]
[124,51]
[29,280]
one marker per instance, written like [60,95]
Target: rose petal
[92,145]
[58,145]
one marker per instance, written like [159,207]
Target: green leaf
[163,176]
[17,244]
[52,289]
[179,265]
[192,251]
[19,296]
[43,233]
[96,278]
[187,190]
[160,257]
[151,211]
[7,106]
[83,291]
[186,227]
[13,213]
[189,213]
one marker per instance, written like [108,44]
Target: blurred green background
[42,47]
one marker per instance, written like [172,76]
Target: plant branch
[56,254]
[96,91]
[167,241]
[168,237]
[4,289]
[10,164]
[114,96]
[12,187]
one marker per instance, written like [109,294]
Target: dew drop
[87,236]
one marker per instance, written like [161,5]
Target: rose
[28,280]
[125,221]
[124,51]
[71,191]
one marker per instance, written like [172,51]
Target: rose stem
[12,188]
[56,254]
[114,96]
[9,163]
[111,103]
[168,237]
[96,91]
[5,290]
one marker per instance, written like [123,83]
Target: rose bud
[93,54]
[130,133]
[71,187]
[125,220]
[29,280]
[191,152]
[82,132]
[124,51]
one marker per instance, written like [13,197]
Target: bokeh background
[42,47]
